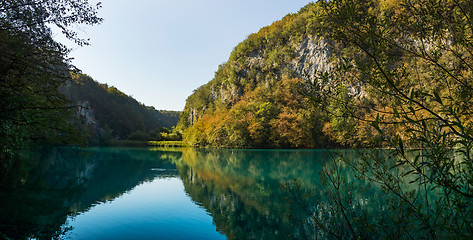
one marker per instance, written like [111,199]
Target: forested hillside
[32,67]
[394,73]
[308,81]
[106,113]
[258,98]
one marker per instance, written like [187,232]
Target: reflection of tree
[241,189]
[48,187]
[347,204]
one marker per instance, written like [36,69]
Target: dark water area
[173,193]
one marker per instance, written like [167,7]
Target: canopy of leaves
[32,67]
[413,62]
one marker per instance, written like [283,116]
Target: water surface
[126,193]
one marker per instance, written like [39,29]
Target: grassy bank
[133,143]
[165,143]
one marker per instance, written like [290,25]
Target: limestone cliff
[312,57]
[257,92]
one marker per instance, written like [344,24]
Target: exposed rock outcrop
[86,113]
[312,56]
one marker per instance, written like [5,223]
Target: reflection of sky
[159,209]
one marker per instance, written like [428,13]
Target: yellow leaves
[263,117]
[391,4]
[256,131]
[287,129]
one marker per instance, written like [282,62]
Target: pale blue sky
[160,51]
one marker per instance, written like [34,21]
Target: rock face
[86,113]
[313,56]
[86,116]
[258,97]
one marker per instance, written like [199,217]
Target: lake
[174,193]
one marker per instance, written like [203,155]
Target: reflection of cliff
[49,186]
[241,189]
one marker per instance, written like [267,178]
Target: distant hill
[106,113]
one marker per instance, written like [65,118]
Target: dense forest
[105,113]
[32,68]
[256,99]
[36,74]
[348,73]
[340,73]
[298,83]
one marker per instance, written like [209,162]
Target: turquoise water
[159,209]
[126,193]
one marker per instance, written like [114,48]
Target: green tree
[32,67]
[413,61]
